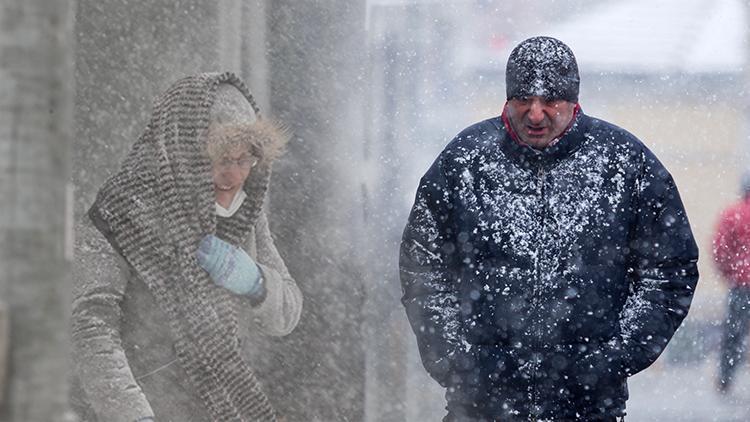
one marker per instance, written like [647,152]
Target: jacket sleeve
[427,276]
[280,310]
[100,362]
[724,245]
[663,272]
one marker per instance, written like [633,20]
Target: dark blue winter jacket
[537,282]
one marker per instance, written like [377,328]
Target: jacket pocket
[588,377]
[487,380]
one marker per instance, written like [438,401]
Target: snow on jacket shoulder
[536,282]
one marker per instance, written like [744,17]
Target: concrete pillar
[36,86]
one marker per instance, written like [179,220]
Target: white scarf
[237,201]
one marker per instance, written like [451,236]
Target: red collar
[514,135]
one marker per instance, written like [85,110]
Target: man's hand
[229,266]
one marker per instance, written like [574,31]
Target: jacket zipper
[535,297]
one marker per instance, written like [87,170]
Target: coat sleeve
[100,362]
[427,276]
[663,272]
[280,310]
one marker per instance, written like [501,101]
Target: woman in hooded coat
[175,257]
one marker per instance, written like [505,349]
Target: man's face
[537,120]
[231,170]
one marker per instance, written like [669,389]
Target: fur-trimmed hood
[266,139]
[270,138]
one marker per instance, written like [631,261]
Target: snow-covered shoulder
[473,140]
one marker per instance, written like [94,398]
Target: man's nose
[536,111]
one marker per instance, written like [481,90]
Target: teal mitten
[229,266]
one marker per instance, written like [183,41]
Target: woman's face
[231,170]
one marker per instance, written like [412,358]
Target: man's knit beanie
[544,67]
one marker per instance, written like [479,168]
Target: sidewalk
[686,394]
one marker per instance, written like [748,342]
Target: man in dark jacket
[547,257]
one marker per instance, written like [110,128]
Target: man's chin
[536,141]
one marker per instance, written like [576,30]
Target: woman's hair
[261,138]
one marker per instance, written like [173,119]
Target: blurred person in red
[731,247]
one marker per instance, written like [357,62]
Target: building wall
[36,83]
